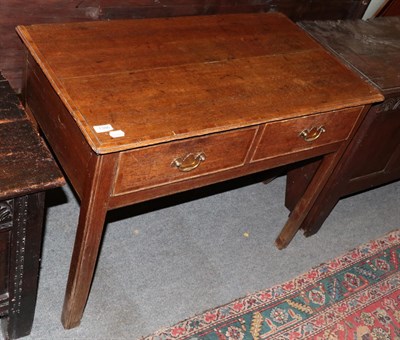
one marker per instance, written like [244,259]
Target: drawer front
[295,135]
[172,162]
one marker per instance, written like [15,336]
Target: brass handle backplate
[189,162]
[312,134]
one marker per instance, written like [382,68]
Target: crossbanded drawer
[303,133]
[177,161]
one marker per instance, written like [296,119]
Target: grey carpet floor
[164,261]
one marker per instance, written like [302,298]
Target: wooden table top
[159,80]
[372,47]
[26,165]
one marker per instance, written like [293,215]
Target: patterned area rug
[355,296]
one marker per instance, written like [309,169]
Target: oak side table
[27,170]
[371,48]
[138,109]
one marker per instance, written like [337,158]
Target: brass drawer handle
[312,134]
[189,162]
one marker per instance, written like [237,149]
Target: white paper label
[103,128]
[117,133]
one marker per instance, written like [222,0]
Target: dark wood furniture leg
[356,171]
[25,248]
[93,211]
[306,201]
[373,155]
[297,180]
[311,190]
[27,170]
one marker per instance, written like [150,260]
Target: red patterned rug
[355,296]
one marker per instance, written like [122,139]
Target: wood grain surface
[20,12]
[26,165]
[371,47]
[160,80]
[372,158]
[175,89]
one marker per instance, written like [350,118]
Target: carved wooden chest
[372,48]
[26,171]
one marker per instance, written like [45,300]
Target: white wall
[373,7]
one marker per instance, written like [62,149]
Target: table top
[158,80]
[372,47]
[26,165]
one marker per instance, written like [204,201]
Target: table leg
[330,194]
[306,202]
[25,250]
[94,205]
[297,181]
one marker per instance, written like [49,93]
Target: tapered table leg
[306,202]
[93,211]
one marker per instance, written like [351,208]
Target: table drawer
[294,135]
[172,162]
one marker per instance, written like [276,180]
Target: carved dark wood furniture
[27,169]
[139,109]
[371,48]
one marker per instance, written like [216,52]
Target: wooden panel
[373,155]
[371,47]
[4,257]
[17,12]
[284,137]
[296,10]
[25,162]
[26,170]
[6,224]
[297,180]
[152,166]
[14,12]
[98,48]
[376,56]
[375,152]
[392,8]
[24,262]
[201,181]
[10,106]
[222,82]
[42,101]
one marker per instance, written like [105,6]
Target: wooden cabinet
[26,171]
[372,49]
